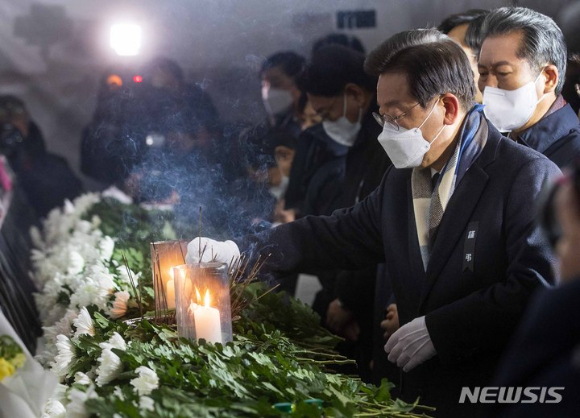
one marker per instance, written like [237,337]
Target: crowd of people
[423,227]
[406,180]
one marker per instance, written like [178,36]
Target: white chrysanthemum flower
[117,194]
[66,354]
[84,323]
[47,350]
[109,363]
[49,302]
[94,289]
[116,341]
[54,314]
[83,227]
[77,399]
[146,382]
[96,221]
[119,308]
[85,201]
[36,237]
[106,247]
[54,409]
[119,393]
[82,379]
[146,403]
[109,367]
[68,207]
[76,263]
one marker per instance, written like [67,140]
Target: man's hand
[391,323]
[207,250]
[341,321]
[410,345]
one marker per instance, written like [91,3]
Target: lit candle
[170,291]
[206,319]
[165,255]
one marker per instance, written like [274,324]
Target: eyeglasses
[392,121]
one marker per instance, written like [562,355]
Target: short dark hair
[331,68]
[543,41]
[350,41]
[474,34]
[382,54]
[289,62]
[432,69]
[457,19]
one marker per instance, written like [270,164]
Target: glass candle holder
[203,309]
[164,256]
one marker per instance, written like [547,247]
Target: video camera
[10,139]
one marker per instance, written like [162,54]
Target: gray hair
[543,40]
[379,57]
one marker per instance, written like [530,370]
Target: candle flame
[206,298]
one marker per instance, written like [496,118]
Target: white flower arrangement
[54,409]
[66,354]
[82,379]
[73,269]
[146,403]
[147,381]
[109,363]
[84,323]
[77,398]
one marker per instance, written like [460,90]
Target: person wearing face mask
[284,104]
[346,165]
[452,220]
[522,64]
[280,94]
[344,97]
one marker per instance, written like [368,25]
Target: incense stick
[200,253]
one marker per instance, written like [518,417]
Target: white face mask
[511,109]
[342,130]
[280,190]
[406,147]
[276,101]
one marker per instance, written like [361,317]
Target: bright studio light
[126,38]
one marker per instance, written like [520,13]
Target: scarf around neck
[429,203]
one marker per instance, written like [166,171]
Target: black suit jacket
[470,312]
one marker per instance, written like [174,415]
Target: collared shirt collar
[556,123]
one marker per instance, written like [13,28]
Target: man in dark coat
[522,64]
[344,96]
[452,220]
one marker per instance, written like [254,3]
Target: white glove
[220,251]
[410,345]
